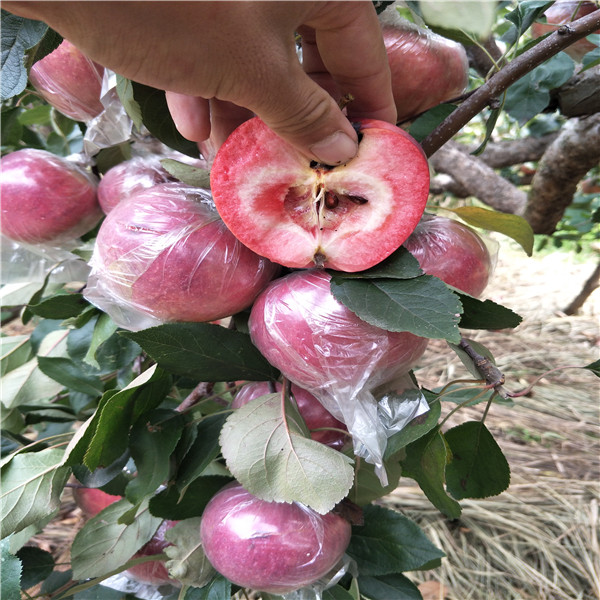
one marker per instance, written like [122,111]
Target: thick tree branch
[513,71]
[580,95]
[506,153]
[478,179]
[574,152]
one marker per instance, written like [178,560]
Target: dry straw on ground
[539,539]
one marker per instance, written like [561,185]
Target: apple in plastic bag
[69,81]
[92,500]
[427,69]
[46,198]
[153,572]
[453,252]
[320,344]
[270,546]
[165,254]
[311,410]
[302,214]
[561,13]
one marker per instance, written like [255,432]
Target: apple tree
[223,381]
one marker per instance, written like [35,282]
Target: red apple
[311,410]
[45,198]
[153,572]
[453,252]
[318,343]
[164,254]
[69,81]
[301,214]
[270,546]
[129,177]
[562,12]
[427,69]
[92,500]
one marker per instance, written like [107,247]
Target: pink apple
[561,13]
[270,546]
[427,69]
[69,81]
[45,198]
[320,344]
[453,252]
[311,410]
[129,177]
[153,572]
[165,253]
[92,500]
[301,214]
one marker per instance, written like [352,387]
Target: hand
[223,61]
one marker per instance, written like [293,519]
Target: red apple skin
[166,253]
[565,11]
[300,215]
[270,546]
[92,500]
[45,198]
[154,572]
[69,81]
[322,346]
[311,410]
[128,177]
[427,69]
[453,252]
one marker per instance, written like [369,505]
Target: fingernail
[336,149]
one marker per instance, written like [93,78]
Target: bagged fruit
[273,547]
[323,347]
[165,255]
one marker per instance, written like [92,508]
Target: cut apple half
[302,214]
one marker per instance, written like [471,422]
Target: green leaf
[187,562]
[32,483]
[50,42]
[176,506]
[217,588]
[425,462]
[61,306]
[367,486]
[18,35]
[27,384]
[424,124]
[401,264]
[336,592]
[12,130]
[187,173]
[104,328]
[132,108]
[157,118]
[530,95]
[151,442]
[70,375]
[10,572]
[594,368]
[473,17]
[104,544]
[478,468]
[204,351]
[14,351]
[266,451]
[37,565]
[521,18]
[203,450]
[389,543]
[490,124]
[486,314]
[416,428]
[513,226]
[423,306]
[385,587]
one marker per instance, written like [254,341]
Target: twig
[503,79]
[195,396]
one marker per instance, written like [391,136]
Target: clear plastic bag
[165,255]
[323,347]
[273,547]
